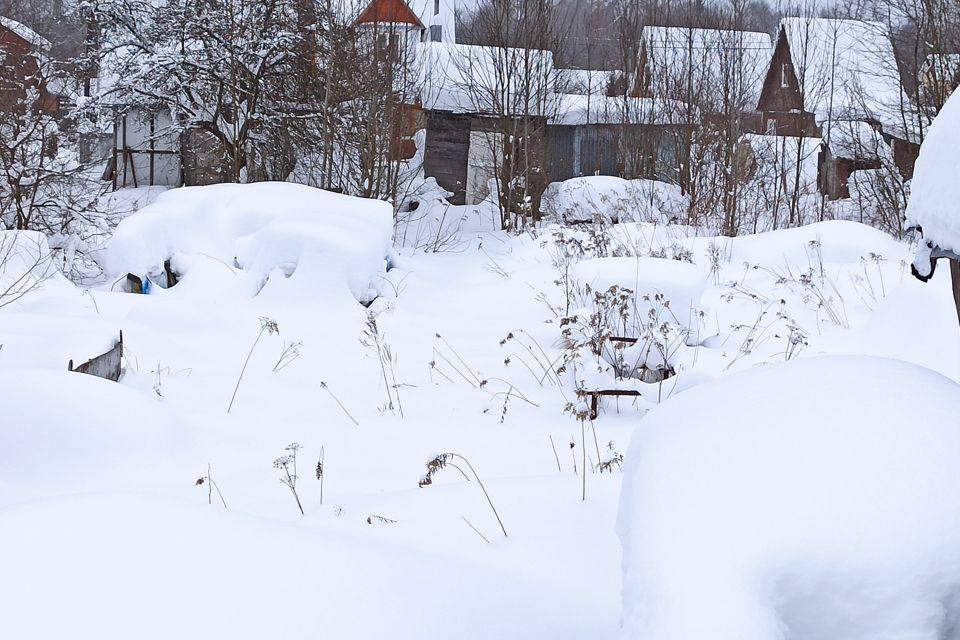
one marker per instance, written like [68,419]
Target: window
[785,70]
[436,33]
[436,7]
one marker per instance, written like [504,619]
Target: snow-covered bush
[811,499]
[610,199]
[653,301]
[329,242]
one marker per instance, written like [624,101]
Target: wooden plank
[108,365]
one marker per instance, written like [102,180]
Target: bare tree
[512,80]
[235,70]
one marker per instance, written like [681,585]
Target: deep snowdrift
[329,239]
[69,433]
[812,499]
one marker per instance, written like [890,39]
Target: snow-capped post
[933,210]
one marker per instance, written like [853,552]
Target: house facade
[23,54]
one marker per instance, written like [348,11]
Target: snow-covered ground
[477,350]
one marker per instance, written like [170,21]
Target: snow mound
[339,241]
[94,435]
[106,560]
[811,499]
[613,200]
[935,190]
[659,284]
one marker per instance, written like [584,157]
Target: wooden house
[477,99]
[836,80]
[23,55]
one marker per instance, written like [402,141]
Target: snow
[673,283]
[613,199]
[855,140]
[329,241]
[487,80]
[477,343]
[25,263]
[800,500]
[738,59]
[845,68]
[935,190]
[578,110]
[82,442]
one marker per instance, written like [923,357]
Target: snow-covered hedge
[810,499]
[327,239]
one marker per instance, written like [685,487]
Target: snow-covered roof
[599,109]
[38,42]
[388,11]
[846,68]
[935,193]
[719,61]
[854,139]
[487,80]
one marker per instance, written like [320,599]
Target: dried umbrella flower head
[434,465]
[268,325]
[440,461]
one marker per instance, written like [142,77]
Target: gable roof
[846,69]
[34,39]
[716,60]
[487,80]
[389,11]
